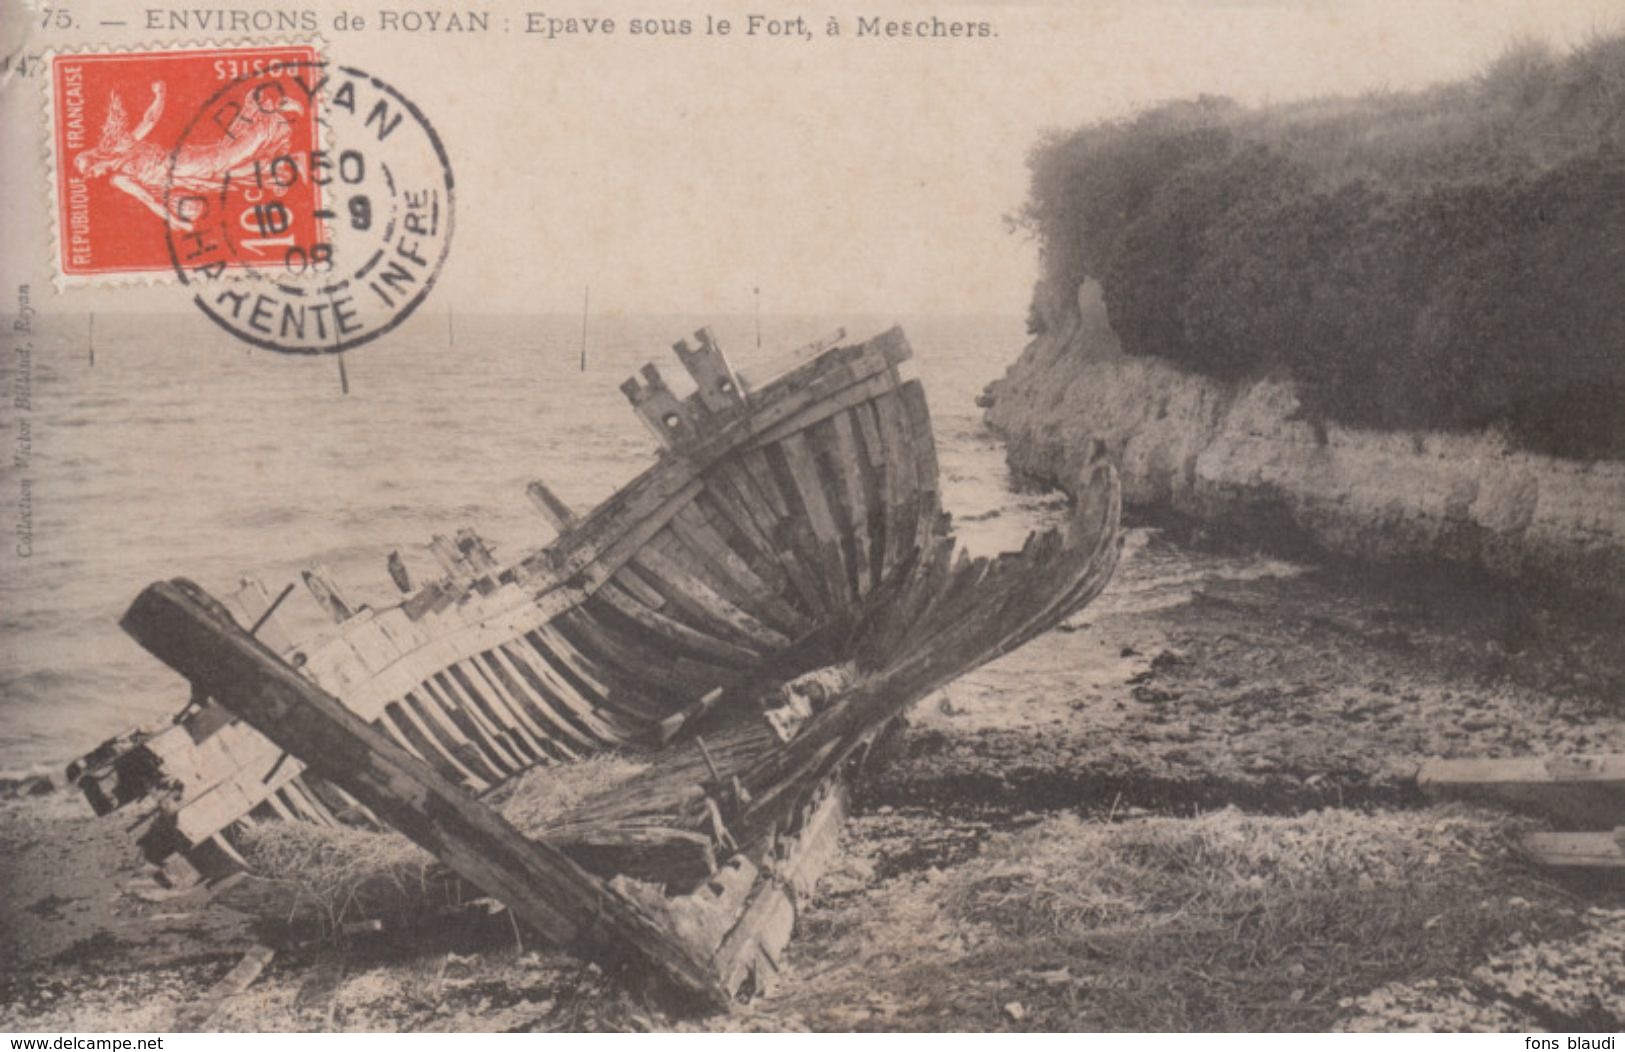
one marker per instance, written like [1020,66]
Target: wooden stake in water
[344,377]
[93,339]
[586,298]
[451,328]
[758,293]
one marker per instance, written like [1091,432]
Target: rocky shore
[1245,455]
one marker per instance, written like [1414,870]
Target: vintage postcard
[715,516]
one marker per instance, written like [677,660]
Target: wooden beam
[558,514]
[715,383]
[1585,792]
[1578,850]
[183,626]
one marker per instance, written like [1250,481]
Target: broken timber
[197,637]
[747,616]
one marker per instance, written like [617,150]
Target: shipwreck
[748,615]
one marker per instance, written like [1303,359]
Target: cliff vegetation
[1451,259]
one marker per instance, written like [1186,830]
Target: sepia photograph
[707,516]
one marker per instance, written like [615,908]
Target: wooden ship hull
[748,614]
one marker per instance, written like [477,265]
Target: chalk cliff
[1242,454]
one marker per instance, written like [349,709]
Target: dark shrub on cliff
[1445,259]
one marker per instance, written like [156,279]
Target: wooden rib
[681,635]
[901,497]
[745,542]
[589,736]
[581,697]
[549,728]
[410,720]
[798,547]
[465,719]
[696,597]
[528,729]
[801,467]
[845,469]
[644,681]
[294,804]
[925,452]
[699,564]
[558,514]
[866,437]
[628,579]
[734,492]
[470,718]
[561,517]
[667,677]
[741,581]
[297,789]
[856,395]
[466,724]
[497,725]
[451,738]
[560,699]
[478,683]
[277,804]
[765,486]
[337,800]
[550,645]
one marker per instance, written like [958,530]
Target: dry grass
[1222,922]
[1230,921]
[337,875]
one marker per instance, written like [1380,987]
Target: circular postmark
[310,207]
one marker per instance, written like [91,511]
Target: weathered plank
[665,417]
[182,626]
[669,629]
[196,1015]
[808,483]
[554,510]
[771,370]
[326,593]
[901,483]
[752,950]
[710,550]
[838,443]
[547,691]
[687,589]
[739,495]
[258,613]
[1604,851]
[1586,792]
[715,385]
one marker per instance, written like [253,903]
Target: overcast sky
[851,176]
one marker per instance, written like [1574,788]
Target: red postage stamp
[141,138]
